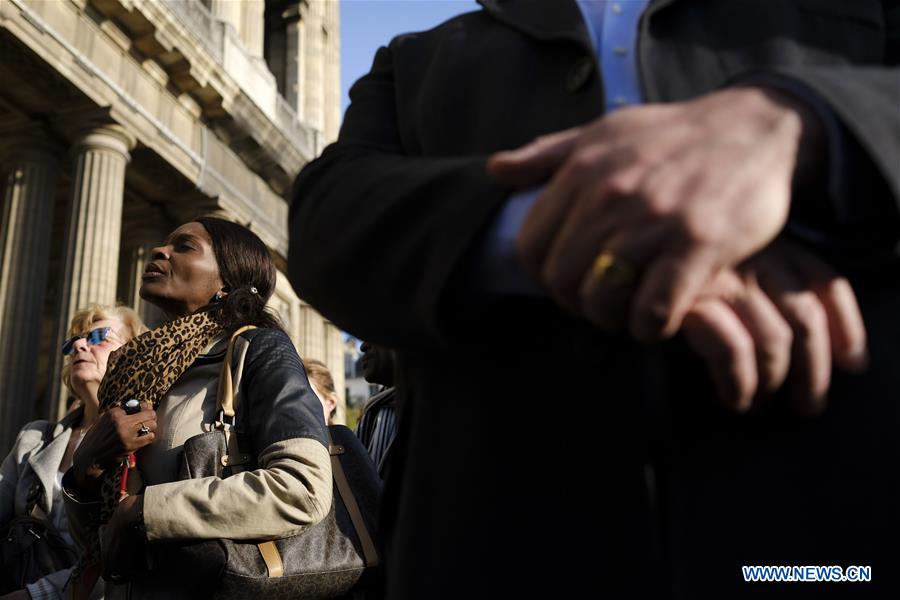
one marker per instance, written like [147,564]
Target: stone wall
[119,120]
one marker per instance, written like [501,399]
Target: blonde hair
[319,374]
[84,318]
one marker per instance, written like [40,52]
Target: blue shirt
[613,26]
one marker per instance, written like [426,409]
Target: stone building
[119,120]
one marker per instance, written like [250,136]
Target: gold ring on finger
[612,271]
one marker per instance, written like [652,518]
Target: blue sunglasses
[93,337]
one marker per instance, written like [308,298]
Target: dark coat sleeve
[865,98]
[377,234]
[277,396]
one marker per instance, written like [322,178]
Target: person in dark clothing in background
[377,424]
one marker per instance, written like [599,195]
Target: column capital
[94,126]
[29,142]
[111,137]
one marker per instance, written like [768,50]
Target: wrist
[811,144]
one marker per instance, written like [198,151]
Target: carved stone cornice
[95,128]
[189,44]
[215,145]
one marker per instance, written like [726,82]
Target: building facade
[358,390]
[120,120]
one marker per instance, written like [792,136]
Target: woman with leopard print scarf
[212,277]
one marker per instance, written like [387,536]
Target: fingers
[845,323]
[147,425]
[603,213]
[811,350]
[134,431]
[536,162]
[144,432]
[541,226]
[597,193]
[668,288]
[744,341]
[566,226]
[713,330]
[533,163]
[606,301]
[772,336]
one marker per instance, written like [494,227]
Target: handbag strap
[225,400]
[268,550]
[233,458]
[340,478]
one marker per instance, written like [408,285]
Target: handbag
[31,547]
[326,560]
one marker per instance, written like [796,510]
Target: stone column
[248,19]
[331,73]
[228,11]
[29,177]
[304,61]
[294,63]
[313,56]
[312,343]
[286,303]
[138,241]
[94,228]
[253,25]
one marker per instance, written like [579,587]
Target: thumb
[535,162]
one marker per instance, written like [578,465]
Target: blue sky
[368,24]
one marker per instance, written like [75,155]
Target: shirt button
[579,74]
[620,100]
[616,8]
[620,51]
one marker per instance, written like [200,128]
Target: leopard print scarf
[148,365]
[145,368]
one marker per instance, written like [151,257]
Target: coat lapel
[559,20]
[45,462]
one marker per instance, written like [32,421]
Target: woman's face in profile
[183,274]
[88,359]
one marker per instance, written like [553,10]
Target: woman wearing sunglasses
[33,470]
[212,278]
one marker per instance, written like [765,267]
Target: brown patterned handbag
[327,560]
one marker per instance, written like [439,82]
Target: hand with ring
[112,437]
[783,311]
[673,193]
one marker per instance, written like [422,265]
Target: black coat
[534,453]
